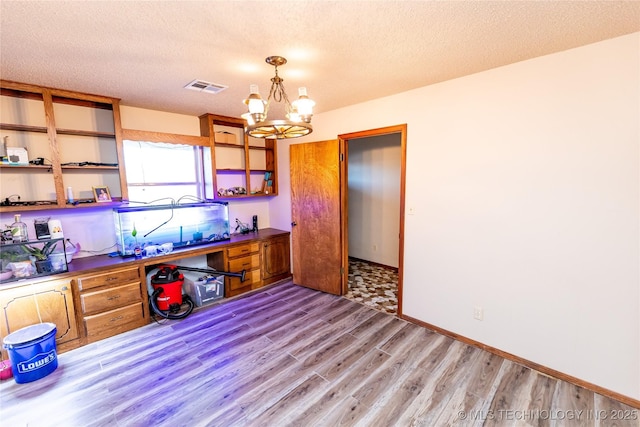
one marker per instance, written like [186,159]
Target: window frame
[199,142]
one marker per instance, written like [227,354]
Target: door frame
[344,148]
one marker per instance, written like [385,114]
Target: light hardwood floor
[288,355]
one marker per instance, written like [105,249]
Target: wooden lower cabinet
[265,261]
[112,322]
[49,301]
[111,302]
[97,302]
[243,257]
[276,261]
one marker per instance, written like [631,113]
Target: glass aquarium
[175,225]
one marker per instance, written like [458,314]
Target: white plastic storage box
[206,290]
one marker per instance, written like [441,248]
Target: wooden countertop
[97,262]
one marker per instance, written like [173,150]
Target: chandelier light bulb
[254,101]
[304,105]
[294,116]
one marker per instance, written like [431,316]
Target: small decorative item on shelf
[17,156]
[225,137]
[233,191]
[19,230]
[137,249]
[267,183]
[101,194]
[242,228]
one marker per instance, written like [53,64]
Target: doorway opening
[374,171]
[373,285]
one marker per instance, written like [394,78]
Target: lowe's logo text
[37,362]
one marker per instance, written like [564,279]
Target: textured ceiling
[345,52]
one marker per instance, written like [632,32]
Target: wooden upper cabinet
[72,140]
[241,166]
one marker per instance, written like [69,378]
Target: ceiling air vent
[202,86]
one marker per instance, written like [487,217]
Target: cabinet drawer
[237,251]
[112,277]
[118,318]
[244,263]
[250,278]
[107,299]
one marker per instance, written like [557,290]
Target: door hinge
[342,157]
[342,271]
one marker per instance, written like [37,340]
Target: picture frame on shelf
[101,194]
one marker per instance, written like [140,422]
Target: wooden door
[317,243]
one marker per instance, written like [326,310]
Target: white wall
[159,121]
[374,198]
[525,181]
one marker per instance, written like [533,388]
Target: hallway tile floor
[373,285]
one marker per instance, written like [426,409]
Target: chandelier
[298,114]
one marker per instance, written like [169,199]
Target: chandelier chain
[278,92]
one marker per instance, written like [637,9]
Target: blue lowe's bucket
[32,352]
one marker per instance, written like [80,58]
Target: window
[162,172]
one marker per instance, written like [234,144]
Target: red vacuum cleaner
[167,298]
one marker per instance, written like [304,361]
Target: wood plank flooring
[291,356]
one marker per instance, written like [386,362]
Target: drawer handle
[246,264]
[113,297]
[111,278]
[115,319]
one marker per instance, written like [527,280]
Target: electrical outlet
[375,248]
[411,210]
[478,313]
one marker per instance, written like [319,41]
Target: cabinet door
[275,257]
[50,301]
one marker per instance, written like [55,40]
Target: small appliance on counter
[41,225]
[181,225]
